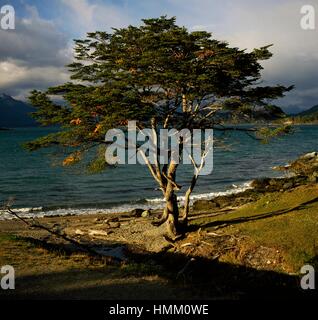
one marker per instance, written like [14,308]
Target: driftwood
[36,225]
[33,224]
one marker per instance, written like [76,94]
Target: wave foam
[210,195]
[154,204]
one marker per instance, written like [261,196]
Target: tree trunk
[186,208]
[172,210]
[172,214]
[163,218]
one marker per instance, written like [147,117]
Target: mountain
[310,112]
[309,116]
[270,112]
[259,114]
[15,113]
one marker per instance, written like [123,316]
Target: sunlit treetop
[157,73]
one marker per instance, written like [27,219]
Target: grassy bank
[283,221]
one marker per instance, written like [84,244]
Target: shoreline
[155,204]
[244,193]
[231,199]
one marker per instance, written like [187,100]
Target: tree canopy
[159,74]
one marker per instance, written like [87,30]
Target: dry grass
[42,274]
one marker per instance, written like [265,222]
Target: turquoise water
[33,180]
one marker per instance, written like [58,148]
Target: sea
[38,186]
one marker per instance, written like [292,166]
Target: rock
[312,178]
[287,185]
[57,228]
[306,165]
[79,232]
[203,205]
[136,212]
[145,214]
[272,182]
[225,201]
[260,184]
[114,224]
[310,155]
[107,221]
[243,200]
[97,233]
[299,179]
[281,168]
[98,220]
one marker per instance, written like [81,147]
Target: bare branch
[197,170]
[36,225]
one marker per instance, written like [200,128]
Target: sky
[34,54]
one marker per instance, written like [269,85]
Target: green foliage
[305,119]
[276,111]
[155,71]
[98,163]
[267,133]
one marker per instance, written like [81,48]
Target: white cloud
[19,80]
[37,47]
[295,50]
[88,17]
[33,56]
[250,24]
[34,42]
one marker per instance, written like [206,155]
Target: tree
[160,75]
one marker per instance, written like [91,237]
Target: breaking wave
[154,204]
